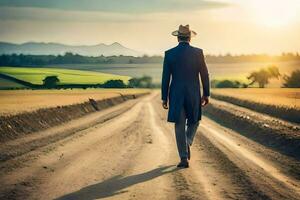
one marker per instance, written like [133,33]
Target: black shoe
[183,163]
[189,152]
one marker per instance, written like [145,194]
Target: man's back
[182,66]
[185,63]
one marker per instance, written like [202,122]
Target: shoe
[189,152]
[183,163]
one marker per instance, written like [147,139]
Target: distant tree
[292,81]
[71,58]
[130,61]
[263,76]
[50,81]
[213,83]
[228,84]
[143,82]
[146,81]
[114,84]
[134,82]
[244,85]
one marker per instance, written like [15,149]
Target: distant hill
[40,48]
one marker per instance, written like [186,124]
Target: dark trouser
[184,134]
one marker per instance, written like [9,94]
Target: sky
[222,26]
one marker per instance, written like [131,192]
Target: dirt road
[129,152]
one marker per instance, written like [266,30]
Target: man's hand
[204,101]
[165,104]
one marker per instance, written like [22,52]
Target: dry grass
[275,96]
[17,101]
[279,103]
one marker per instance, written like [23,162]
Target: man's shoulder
[170,50]
[197,49]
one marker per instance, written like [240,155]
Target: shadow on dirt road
[117,184]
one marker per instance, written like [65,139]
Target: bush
[228,84]
[292,81]
[114,84]
[50,82]
[263,76]
[143,82]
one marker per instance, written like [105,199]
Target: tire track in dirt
[263,174]
[230,180]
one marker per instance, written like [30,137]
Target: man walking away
[182,66]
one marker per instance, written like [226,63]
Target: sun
[274,13]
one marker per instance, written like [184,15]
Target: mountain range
[41,48]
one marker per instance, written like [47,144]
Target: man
[182,65]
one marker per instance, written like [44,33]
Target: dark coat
[182,65]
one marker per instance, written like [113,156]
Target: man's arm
[165,82]
[204,80]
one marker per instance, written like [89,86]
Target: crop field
[66,76]
[275,96]
[17,101]
[88,73]
[281,103]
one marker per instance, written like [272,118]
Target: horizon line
[151,54]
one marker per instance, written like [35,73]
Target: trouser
[185,133]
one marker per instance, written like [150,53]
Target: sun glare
[274,13]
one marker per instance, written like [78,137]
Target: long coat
[182,66]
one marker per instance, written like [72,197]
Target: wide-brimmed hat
[184,31]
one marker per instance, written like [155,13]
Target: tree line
[229,58]
[70,58]
[262,77]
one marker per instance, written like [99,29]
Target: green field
[66,76]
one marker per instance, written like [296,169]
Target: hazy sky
[235,26]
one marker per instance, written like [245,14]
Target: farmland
[275,96]
[219,71]
[66,76]
[281,103]
[89,73]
